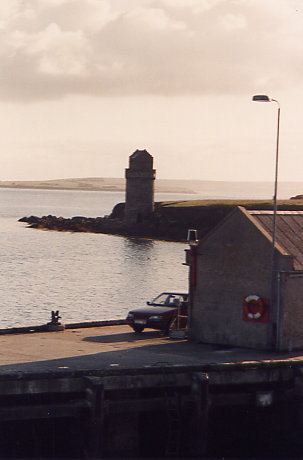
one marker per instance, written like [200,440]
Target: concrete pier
[105,392]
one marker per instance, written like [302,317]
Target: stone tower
[140,177]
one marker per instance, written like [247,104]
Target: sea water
[87,277]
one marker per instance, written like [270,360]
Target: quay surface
[117,346]
[106,392]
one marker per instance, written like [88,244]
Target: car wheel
[138,329]
[167,329]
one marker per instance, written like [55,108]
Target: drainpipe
[193,241]
[278,303]
[193,265]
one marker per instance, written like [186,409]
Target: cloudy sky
[84,83]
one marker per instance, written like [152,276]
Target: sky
[84,83]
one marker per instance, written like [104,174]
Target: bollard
[55,324]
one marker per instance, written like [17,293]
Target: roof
[289,231]
[140,153]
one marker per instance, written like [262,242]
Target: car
[160,313]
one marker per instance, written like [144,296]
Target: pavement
[116,346]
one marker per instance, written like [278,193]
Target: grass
[249,204]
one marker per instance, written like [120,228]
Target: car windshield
[168,299]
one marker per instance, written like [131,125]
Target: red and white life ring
[255,307]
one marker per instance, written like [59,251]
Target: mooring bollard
[55,324]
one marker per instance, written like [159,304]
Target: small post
[55,324]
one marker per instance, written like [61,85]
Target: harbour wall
[208,411]
[148,397]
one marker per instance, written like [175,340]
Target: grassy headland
[249,204]
[177,217]
[171,219]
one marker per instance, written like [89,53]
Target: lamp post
[264,98]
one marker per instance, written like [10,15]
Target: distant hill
[96,184]
[208,189]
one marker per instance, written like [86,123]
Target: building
[231,282]
[140,177]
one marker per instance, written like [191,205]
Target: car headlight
[155,317]
[130,316]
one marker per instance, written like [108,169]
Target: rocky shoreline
[170,221]
[157,227]
[105,225]
[73,224]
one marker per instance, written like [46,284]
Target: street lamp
[265,98]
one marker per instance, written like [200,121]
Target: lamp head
[261,98]
[192,237]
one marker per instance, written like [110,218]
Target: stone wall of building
[233,262]
[290,290]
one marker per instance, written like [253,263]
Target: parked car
[160,312]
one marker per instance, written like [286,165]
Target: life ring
[255,307]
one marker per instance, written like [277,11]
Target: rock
[29,220]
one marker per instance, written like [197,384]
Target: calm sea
[87,277]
